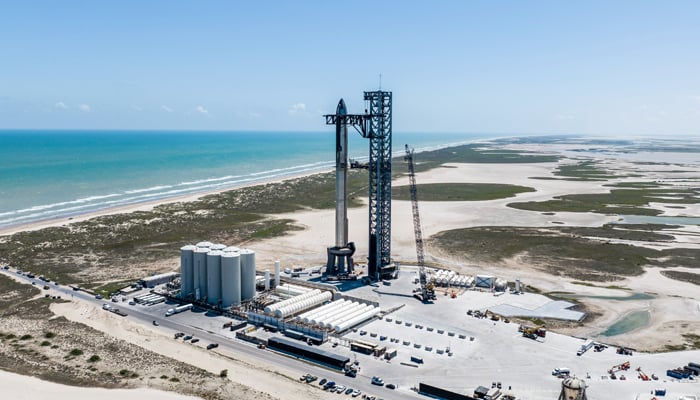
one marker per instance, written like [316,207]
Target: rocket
[341,177]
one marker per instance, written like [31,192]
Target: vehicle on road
[311,378]
[195,340]
[390,386]
[155,323]
[377,381]
[212,346]
[98,297]
[188,337]
[329,385]
[106,306]
[322,381]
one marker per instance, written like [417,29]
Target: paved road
[233,347]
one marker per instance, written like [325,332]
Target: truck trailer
[178,309]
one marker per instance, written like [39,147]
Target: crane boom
[426,287]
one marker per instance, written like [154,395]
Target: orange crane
[620,367]
[642,375]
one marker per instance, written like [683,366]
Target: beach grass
[576,253]
[682,276]
[459,191]
[617,201]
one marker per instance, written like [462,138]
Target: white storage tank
[205,244]
[230,279]
[214,276]
[247,274]
[200,272]
[187,270]
[357,320]
[218,246]
[500,284]
[232,249]
[277,273]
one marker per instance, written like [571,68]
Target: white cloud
[85,108]
[297,108]
[202,110]
[61,105]
[166,108]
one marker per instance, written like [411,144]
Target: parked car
[356,392]
[323,381]
[377,381]
[155,322]
[212,346]
[188,337]
[348,391]
[195,340]
[390,386]
[98,297]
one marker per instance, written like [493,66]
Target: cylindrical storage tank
[187,270]
[230,279]
[218,246]
[330,321]
[247,274]
[500,284]
[214,276]
[357,311]
[277,273]
[267,279]
[205,244]
[359,319]
[231,249]
[302,304]
[325,310]
[200,272]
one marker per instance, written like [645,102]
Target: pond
[628,323]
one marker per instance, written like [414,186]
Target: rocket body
[341,177]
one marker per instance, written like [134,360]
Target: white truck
[561,371]
[178,309]
[585,347]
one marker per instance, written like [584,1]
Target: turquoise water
[51,174]
[628,323]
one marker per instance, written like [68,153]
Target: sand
[16,386]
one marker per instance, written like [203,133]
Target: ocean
[46,175]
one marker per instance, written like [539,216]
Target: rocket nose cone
[341,110]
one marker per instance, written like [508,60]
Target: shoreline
[140,206]
[148,205]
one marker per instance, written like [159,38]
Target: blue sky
[592,67]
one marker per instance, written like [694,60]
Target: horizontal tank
[357,320]
[322,311]
[348,316]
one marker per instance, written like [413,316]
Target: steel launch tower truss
[379,135]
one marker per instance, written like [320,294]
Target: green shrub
[94,358]
[25,337]
[223,373]
[49,335]
[46,343]
[76,352]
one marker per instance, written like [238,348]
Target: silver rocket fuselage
[341,177]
